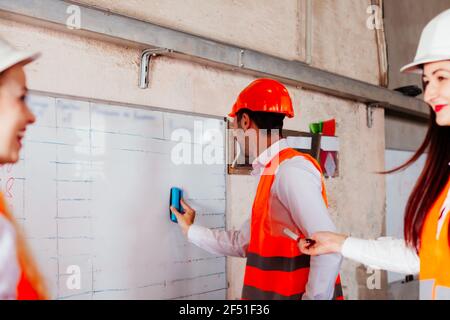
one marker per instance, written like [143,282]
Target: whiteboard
[91,192]
[399,186]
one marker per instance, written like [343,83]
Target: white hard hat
[434,44]
[10,56]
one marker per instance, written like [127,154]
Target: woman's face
[14,113]
[437,90]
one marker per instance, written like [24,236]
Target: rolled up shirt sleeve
[385,254]
[9,265]
[232,243]
[298,186]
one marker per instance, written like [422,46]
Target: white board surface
[91,191]
[398,189]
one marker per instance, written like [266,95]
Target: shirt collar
[267,155]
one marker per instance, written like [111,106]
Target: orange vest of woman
[276,269]
[25,290]
[435,254]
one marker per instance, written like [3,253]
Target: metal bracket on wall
[370,109]
[241,59]
[146,58]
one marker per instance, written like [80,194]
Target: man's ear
[245,122]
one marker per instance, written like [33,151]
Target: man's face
[14,113]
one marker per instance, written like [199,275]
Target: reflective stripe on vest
[442,293]
[276,269]
[25,290]
[435,254]
[428,289]
[258,294]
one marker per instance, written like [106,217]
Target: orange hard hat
[264,95]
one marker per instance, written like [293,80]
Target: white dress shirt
[387,253]
[296,195]
[9,266]
[383,254]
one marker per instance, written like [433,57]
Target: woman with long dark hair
[426,248]
[19,276]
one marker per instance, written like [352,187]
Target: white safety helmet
[9,56]
[434,44]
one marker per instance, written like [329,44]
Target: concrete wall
[404,22]
[91,68]
[273,27]
[403,134]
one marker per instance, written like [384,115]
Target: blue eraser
[176,194]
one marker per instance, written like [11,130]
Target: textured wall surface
[404,135]
[264,25]
[91,68]
[341,41]
[404,22]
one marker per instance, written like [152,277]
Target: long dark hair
[431,182]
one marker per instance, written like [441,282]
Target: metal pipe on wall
[381,44]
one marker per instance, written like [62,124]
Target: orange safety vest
[276,269]
[25,290]
[435,254]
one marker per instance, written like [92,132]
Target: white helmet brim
[434,44]
[416,67]
[12,57]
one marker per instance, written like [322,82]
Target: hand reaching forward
[325,243]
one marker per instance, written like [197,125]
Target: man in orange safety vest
[291,188]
